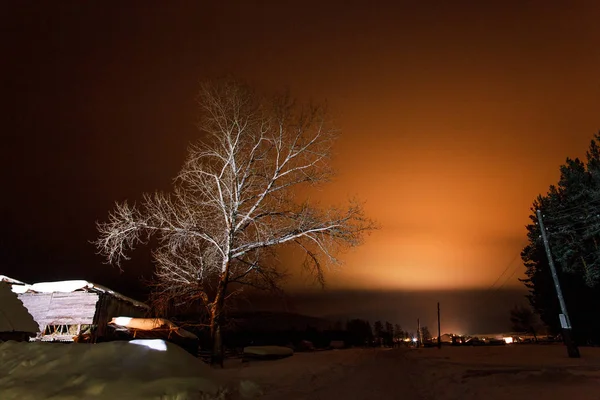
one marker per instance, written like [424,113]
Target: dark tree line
[571,213]
[354,332]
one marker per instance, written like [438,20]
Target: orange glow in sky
[453,119]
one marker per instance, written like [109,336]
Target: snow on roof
[72,286]
[59,286]
[119,295]
[7,279]
[14,317]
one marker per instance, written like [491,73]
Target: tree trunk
[217,355]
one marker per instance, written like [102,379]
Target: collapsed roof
[69,287]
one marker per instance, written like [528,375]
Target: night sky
[454,116]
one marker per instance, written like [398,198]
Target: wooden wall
[109,307]
[61,308]
[78,308]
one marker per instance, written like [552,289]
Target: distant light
[414,339]
[508,340]
[154,344]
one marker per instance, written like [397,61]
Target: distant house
[15,321]
[74,310]
[447,338]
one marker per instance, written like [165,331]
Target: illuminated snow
[59,286]
[122,321]
[154,344]
[147,324]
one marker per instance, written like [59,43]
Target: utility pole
[439,330]
[418,333]
[565,322]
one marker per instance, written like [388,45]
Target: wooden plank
[37,304]
[78,308]
[61,308]
[72,308]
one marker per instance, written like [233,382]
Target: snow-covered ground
[115,370]
[121,370]
[466,373]
[507,372]
[297,376]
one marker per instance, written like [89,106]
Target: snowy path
[385,376]
[453,373]
[345,374]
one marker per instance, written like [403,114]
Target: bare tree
[236,201]
[523,319]
[425,334]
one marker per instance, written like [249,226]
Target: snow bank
[146,369]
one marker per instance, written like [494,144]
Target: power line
[508,279]
[491,288]
[583,204]
[576,216]
[579,206]
[573,217]
[590,228]
[505,270]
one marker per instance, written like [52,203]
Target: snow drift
[145,369]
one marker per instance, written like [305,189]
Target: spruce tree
[571,211]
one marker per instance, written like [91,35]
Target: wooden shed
[72,310]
